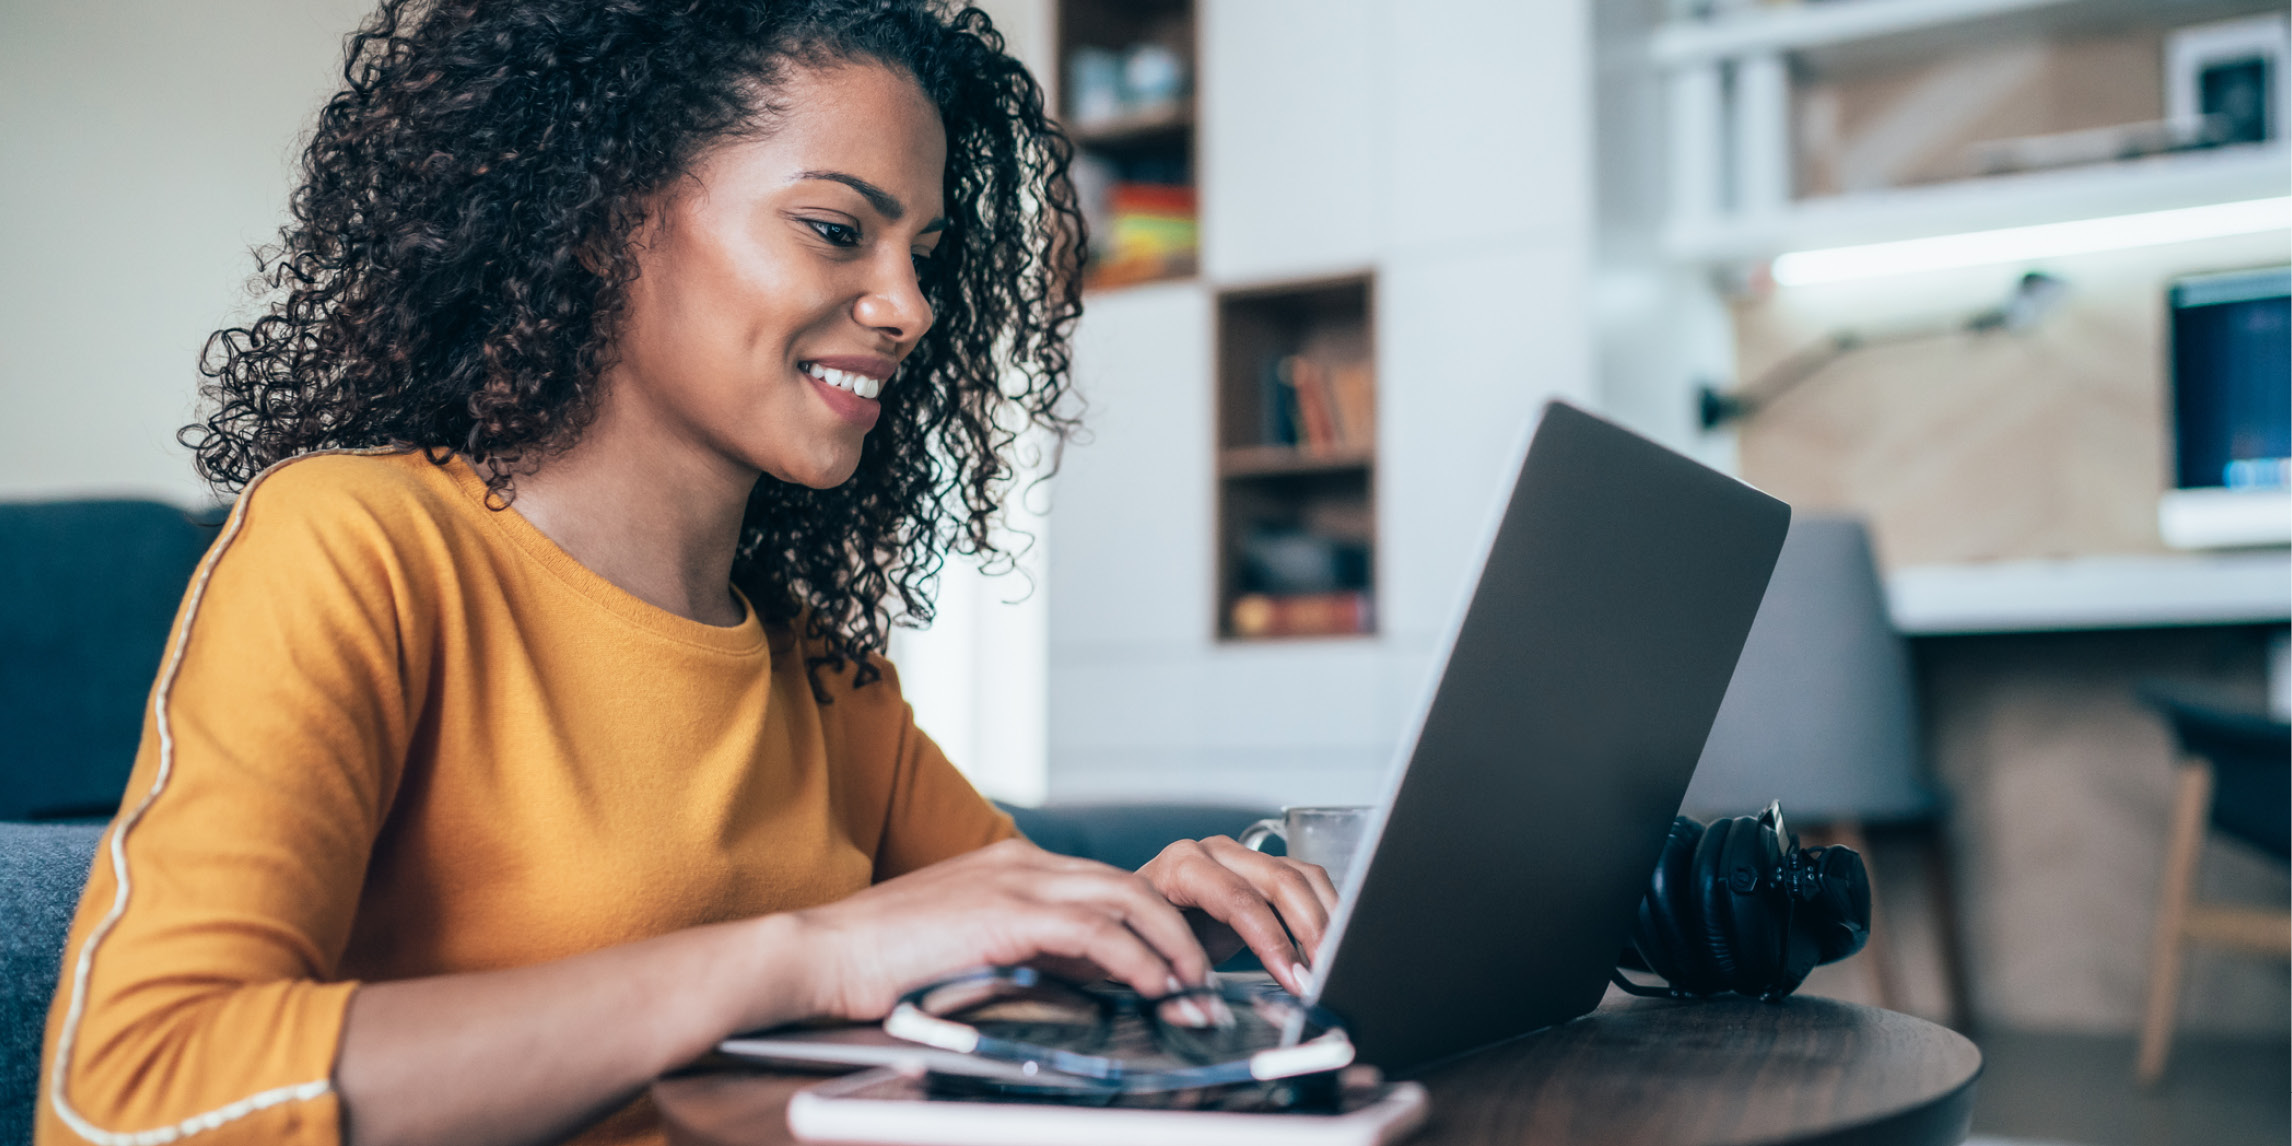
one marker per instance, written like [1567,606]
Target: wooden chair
[2235,774]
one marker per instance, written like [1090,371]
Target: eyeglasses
[1113,1040]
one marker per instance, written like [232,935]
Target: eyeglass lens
[1200,1027]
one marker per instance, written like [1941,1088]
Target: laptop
[1529,806]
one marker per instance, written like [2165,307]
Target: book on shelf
[1152,233]
[1335,614]
[1320,406]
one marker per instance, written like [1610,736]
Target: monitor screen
[2232,380]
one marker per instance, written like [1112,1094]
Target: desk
[2128,592]
[1642,1071]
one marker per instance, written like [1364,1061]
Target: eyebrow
[884,202]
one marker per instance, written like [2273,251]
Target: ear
[612,247]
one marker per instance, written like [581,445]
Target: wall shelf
[1261,461]
[1801,26]
[1736,89]
[1919,25]
[1165,126]
[2129,592]
[2156,183]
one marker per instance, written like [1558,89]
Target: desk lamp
[2033,296]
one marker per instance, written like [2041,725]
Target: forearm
[531,1054]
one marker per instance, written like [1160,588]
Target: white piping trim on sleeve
[299,1092]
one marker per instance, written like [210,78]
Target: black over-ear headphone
[1740,906]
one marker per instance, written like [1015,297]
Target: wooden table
[1812,1071]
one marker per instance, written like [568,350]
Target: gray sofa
[41,869]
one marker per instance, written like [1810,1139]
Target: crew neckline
[746,637]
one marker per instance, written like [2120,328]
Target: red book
[1301,614]
[1153,199]
[1315,407]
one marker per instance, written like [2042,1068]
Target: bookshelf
[1126,98]
[1296,460]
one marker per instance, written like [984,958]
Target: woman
[535,738]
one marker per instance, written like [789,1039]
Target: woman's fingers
[1007,903]
[1324,888]
[1086,932]
[1190,874]
[1300,891]
[1136,904]
[1241,907]
[1277,872]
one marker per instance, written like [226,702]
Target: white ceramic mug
[1324,836]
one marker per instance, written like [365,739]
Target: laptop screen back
[1577,694]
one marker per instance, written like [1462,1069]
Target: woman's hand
[1008,903]
[1249,898]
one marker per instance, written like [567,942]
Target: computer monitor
[2231,360]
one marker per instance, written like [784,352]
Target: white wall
[1659,326]
[147,145]
[1443,144]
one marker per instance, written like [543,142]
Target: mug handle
[1253,837]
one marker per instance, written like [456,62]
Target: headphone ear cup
[1760,913]
[1839,915]
[1661,934]
[1711,931]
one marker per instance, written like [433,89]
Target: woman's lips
[861,412]
[873,365]
[839,387]
[867,382]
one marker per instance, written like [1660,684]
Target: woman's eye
[840,234]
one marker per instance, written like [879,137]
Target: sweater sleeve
[198,999]
[934,814]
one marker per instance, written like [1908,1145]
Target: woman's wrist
[782,974]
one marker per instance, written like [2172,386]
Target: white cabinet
[1292,116]
[1131,565]
[1491,133]
[1471,347]
[1443,149]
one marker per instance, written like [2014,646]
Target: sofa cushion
[42,868]
[88,590]
[1127,835]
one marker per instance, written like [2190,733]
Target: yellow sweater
[398,734]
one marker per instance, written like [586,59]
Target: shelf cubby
[1134,141]
[1296,460]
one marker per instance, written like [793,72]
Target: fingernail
[1220,1015]
[1170,985]
[1190,1013]
[1298,974]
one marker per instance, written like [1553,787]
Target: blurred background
[1992,291]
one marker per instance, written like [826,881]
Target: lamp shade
[1820,713]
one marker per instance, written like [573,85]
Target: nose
[893,303]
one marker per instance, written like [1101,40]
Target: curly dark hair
[458,257]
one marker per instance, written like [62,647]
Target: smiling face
[777,284]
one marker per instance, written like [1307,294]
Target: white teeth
[845,380]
